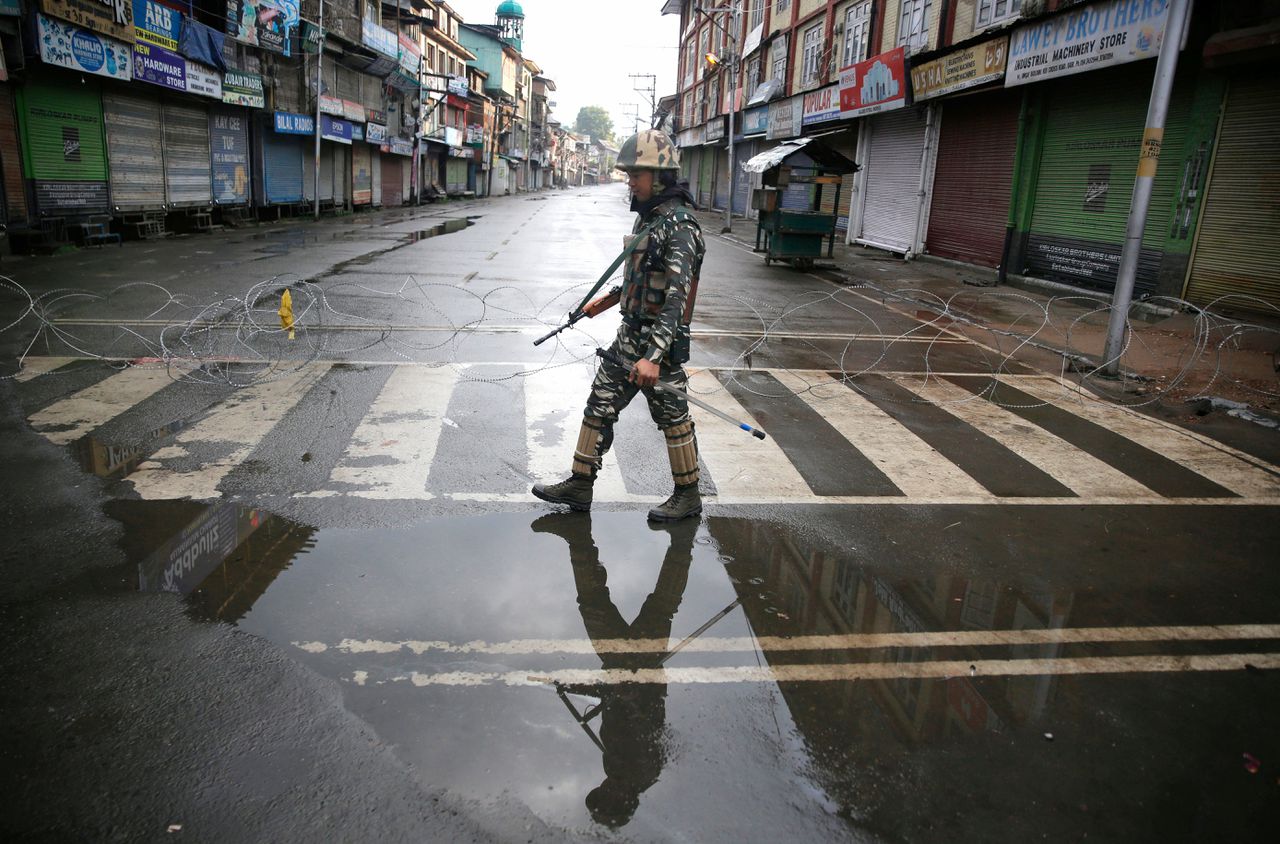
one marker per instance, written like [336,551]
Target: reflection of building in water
[816,593]
[222,556]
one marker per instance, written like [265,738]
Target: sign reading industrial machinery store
[967,68]
[111,17]
[1095,36]
[875,85]
[241,88]
[78,49]
[821,105]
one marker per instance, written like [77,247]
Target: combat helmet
[648,150]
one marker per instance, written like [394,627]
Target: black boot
[576,492]
[686,501]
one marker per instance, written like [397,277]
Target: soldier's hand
[644,373]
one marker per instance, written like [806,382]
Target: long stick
[676,391]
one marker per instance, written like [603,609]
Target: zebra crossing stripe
[34,367]
[742,467]
[71,418]
[1219,463]
[392,449]
[554,416]
[1079,471]
[913,465]
[238,425]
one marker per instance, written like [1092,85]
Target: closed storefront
[455,174]
[722,177]
[229,146]
[1237,244]
[341,174]
[326,171]
[887,208]
[133,120]
[285,161]
[361,174]
[706,175]
[392,180]
[375,174]
[63,145]
[742,152]
[188,166]
[973,177]
[1092,133]
[15,199]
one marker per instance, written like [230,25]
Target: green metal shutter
[455,170]
[1093,132]
[188,162]
[135,150]
[63,151]
[1237,250]
[705,175]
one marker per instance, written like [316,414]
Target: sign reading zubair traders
[1086,39]
[241,88]
[112,17]
[967,68]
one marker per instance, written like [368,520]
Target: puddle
[447,227]
[108,460]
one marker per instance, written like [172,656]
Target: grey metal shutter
[188,167]
[326,171]
[894,154]
[722,177]
[375,170]
[361,174]
[135,151]
[341,169]
[406,174]
[1237,248]
[742,182]
[282,168]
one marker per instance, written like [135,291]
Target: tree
[594,121]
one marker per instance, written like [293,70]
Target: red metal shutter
[10,160]
[973,177]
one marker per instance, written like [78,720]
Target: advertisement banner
[352,111]
[263,23]
[380,39]
[289,123]
[156,25]
[376,115]
[475,135]
[821,105]
[245,89]
[78,49]
[398,146]
[784,118]
[330,105]
[453,136]
[875,85]
[110,17]
[311,36]
[229,143]
[204,81]
[159,67]
[963,69]
[755,121]
[375,133]
[458,86]
[410,55]
[333,129]
[1099,35]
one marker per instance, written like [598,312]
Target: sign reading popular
[875,85]
[1095,36]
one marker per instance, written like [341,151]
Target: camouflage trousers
[612,391]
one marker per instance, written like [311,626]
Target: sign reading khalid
[263,23]
[1095,36]
[877,84]
[112,17]
[69,46]
[967,68]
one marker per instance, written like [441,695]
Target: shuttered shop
[722,177]
[1088,163]
[392,180]
[136,149]
[375,170]
[188,168]
[973,177]
[706,174]
[15,199]
[1237,250]
[743,151]
[229,151]
[63,150]
[455,170]
[282,168]
[891,185]
[341,172]
[361,174]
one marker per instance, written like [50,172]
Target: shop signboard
[875,85]
[244,89]
[755,121]
[109,17]
[311,37]
[71,47]
[453,136]
[357,132]
[375,133]
[157,25]
[1088,38]
[458,86]
[266,24]
[289,123]
[398,146]
[695,136]
[475,136]
[159,67]
[784,118]
[10,7]
[379,38]
[968,68]
[715,129]
[352,111]
[821,105]
[376,115]
[333,129]
[228,142]
[204,81]
[410,56]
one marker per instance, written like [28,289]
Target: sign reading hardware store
[245,89]
[821,105]
[111,17]
[159,67]
[875,85]
[1095,36]
[78,49]
[288,123]
[963,69]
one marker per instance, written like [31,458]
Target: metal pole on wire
[1148,159]
[734,22]
[315,210]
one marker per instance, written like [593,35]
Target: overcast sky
[588,47]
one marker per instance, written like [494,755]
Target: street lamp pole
[733,92]
[319,84]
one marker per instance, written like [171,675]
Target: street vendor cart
[790,233]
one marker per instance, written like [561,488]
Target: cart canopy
[822,155]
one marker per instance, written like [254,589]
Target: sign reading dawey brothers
[110,17]
[1087,38]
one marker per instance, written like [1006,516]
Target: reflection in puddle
[116,461]
[447,227]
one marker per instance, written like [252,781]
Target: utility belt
[679,351]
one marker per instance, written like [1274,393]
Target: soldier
[659,285]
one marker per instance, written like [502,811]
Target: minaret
[511,23]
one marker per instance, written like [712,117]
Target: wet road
[298,589]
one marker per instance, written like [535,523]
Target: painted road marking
[241,421]
[828,642]
[739,465]
[392,449]
[33,367]
[840,672]
[1080,471]
[71,418]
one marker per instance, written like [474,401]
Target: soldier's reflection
[631,716]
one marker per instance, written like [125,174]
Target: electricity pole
[319,87]
[650,92]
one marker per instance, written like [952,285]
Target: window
[913,27]
[757,13]
[752,77]
[704,46]
[857,26]
[782,6]
[997,11]
[689,62]
[778,58]
[812,53]
[686,117]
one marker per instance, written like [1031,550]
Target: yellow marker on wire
[286,312]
